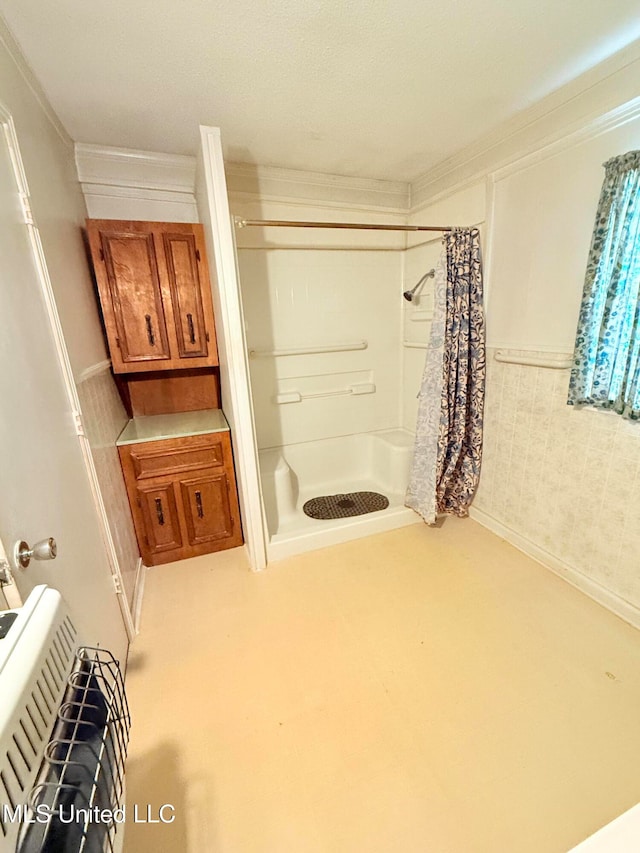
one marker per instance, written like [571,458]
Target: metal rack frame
[83,765]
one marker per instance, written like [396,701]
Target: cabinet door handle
[150,335]
[192,333]
[199,505]
[159,512]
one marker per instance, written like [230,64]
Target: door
[131,295]
[157,503]
[184,264]
[206,505]
[213,208]
[44,485]
[155,294]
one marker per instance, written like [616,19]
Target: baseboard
[138,593]
[94,370]
[624,609]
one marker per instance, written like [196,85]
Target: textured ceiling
[373,88]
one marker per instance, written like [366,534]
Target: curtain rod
[242,223]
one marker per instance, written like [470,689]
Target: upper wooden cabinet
[155,294]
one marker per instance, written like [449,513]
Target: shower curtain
[448,447]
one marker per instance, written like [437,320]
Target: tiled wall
[568,480]
[104,419]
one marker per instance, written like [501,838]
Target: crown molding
[580,104]
[135,169]
[293,185]
[125,172]
[571,137]
[136,192]
[24,69]
[242,198]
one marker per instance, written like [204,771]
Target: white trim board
[354,205]
[295,185]
[235,380]
[129,173]
[583,132]
[129,167]
[598,593]
[138,594]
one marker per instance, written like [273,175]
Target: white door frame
[42,272]
[213,208]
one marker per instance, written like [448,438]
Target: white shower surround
[291,474]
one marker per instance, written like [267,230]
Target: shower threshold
[299,533]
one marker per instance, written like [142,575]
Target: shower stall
[335,357]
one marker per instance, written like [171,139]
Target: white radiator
[64,729]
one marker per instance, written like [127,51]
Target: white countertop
[177,425]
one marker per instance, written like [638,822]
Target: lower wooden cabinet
[183,497]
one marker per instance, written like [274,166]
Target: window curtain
[606,365]
[448,447]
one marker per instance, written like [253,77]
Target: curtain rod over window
[243,223]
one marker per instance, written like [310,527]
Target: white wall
[543,215]
[560,483]
[58,206]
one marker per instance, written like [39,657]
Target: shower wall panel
[315,299]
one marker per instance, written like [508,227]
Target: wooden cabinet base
[183,497]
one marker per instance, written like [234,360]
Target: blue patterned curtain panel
[606,362]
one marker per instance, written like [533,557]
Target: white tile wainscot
[104,418]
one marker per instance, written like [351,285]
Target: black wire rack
[76,803]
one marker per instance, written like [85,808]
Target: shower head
[409,294]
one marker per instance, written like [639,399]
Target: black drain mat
[344,506]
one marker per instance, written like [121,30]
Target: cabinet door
[131,295]
[161,523]
[181,258]
[207,508]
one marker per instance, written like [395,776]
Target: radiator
[64,731]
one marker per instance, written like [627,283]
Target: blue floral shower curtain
[448,448]
[606,367]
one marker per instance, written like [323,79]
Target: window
[606,365]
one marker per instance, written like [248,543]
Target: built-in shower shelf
[278,353]
[414,344]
